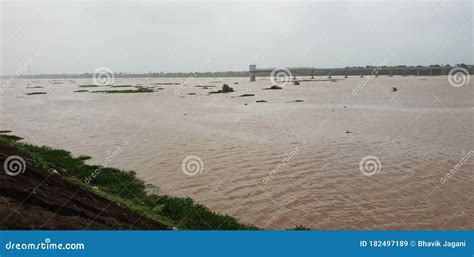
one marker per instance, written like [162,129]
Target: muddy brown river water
[280,163]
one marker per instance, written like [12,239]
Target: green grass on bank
[126,189]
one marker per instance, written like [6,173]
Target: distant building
[253,71]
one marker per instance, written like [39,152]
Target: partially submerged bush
[225,89]
[88,86]
[36,93]
[138,89]
[272,87]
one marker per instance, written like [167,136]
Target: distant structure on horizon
[253,71]
[402,70]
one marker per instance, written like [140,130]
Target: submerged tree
[227,89]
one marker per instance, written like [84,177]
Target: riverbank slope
[53,192]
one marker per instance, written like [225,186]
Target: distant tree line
[302,71]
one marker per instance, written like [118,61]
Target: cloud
[161,36]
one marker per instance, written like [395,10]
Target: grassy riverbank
[123,188]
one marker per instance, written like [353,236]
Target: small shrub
[225,89]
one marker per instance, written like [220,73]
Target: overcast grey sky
[158,36]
